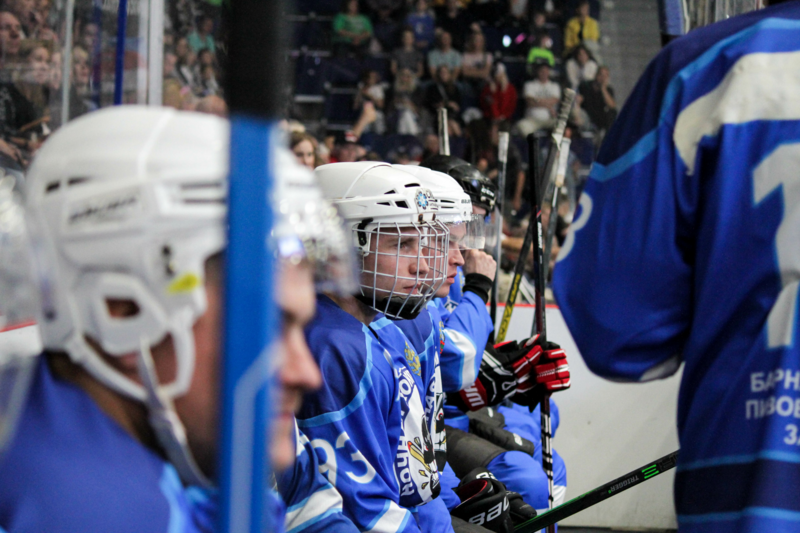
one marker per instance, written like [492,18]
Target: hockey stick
[255,92]
[540,322]
[519,267]
[444,133]
[595,496]
[502,157]
[563,158]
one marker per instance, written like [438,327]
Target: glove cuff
[479,284]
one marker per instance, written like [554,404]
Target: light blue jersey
[686,247]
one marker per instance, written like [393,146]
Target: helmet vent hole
[76,181]
[53,186]
[402,204]
[385,203]
[410,185]
[122,308]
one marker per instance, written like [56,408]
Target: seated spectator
[352,31]
[80,95]
[174,91]
[444,56]
[541,101]
[405,103]
[451,17]
[476,62]
[580,67]
[203,37]
[10,39]
[34,74]
[581,29]
[89,37]
[25,12]
[422,23]
[370,89]
[540,52]
[407,57]
[209,86]
[304,147]
[598,100]
[499,97]
[443,92]
[205,58]
[186,63]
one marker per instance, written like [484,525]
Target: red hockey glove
[549,373]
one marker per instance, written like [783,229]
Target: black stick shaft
[601,493]
[519,268]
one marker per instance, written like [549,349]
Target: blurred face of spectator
[43,7]
[602,75]
[89,35]
[24,9]
[205,57]
[182,48]
[304,152]
[170,60]
[543,74]
[208,73]
[478,42]
[373,78]
[38,65]
[207,25]
[583,10]
[422,6]
[352,7]
[444,74]
[453,5]
[582,56]
[56,73]
[432,143]
[10,34]
[447,40]
[80,67]
[348,153]
[539,20]
[501,78]
[408,39]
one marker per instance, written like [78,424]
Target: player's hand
[479,262]
[548,373]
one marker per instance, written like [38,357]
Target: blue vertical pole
[119,60]
[255,82]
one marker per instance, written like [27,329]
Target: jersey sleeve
[466,330]
[313,504]
[623,279]
[350,424]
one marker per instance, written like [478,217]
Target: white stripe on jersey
[759,86]
[316,505]
[392,520]
[468,374]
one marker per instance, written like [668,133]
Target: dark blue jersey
[686,246]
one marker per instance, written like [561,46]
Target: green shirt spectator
[350,26]
[539,55]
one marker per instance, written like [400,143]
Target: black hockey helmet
[481,190]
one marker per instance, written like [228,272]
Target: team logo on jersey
[422,451]
[413,360]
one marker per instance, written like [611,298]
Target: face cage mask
[316,232]
[404,266]
[467,233]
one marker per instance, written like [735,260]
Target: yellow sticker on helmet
[186,283]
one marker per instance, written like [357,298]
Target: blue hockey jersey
[363,419]
[72,468]
[313,505]
[686,247]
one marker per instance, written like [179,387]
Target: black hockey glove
[513,370]
[484,502]
[520,511]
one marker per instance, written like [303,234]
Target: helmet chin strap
[392,308]
[169,429]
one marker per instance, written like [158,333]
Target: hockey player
[127,207]
[515,462]
[372,421]
[685,249]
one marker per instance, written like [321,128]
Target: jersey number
[329,467]
[780,169]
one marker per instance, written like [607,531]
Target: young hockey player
[372,422]
[685,249]
[119,431]
[499,374]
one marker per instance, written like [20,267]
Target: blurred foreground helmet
[401,245]
[128,203]
[467,230]
[480,189]
[19,304]
[308,227]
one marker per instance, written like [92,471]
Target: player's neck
[355,308]
[128,413]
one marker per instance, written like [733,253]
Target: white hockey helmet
[401,243]
[307,226]
[467,230]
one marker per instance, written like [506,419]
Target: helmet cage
[402,265]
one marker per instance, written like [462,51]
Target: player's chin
[282,450]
